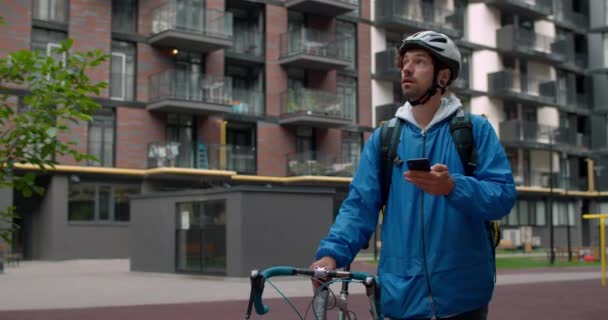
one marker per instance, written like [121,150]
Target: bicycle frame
[321,299]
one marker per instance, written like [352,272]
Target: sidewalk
[97,283]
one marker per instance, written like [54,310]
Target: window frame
[123,65]
[103,118]
[111,205]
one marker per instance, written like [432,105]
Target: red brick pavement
[568,300]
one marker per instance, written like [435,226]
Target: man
[436,260]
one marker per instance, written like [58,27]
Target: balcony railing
[321,164]
[202,156]
[400,16]
[511,85]
[386,66]
[194,19]
[316,43]
[248,42]
[190,27]
[315,103]
[529,8]
[323,7]
[572,19]
[517,132]
[190,86]
[514,39]
[247,102]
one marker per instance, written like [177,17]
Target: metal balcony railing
[315,103]
[518,131]
[420,13]
[386,65]
[247,102]
[190,86]
[321,164]
[180,16]
[315,43]
[573,19]
[514,82]
[518,39]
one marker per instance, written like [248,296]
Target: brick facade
[89,24]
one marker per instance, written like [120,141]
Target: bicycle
[322,298]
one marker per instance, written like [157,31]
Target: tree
[58,92]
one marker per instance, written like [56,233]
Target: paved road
[107,290]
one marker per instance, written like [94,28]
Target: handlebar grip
[360,275]
[260,307]
[278,271]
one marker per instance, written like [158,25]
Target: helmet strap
[430,92]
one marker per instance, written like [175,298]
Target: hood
[448,106]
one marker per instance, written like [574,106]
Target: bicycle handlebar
[259,277]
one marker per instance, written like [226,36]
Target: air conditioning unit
[525,234]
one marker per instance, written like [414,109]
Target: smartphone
[420,164]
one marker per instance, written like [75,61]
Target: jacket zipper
[426,271]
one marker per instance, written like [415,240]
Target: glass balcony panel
[314,102]
[315,43]
[247,102]
[318,164]
[191,86]
[196,19]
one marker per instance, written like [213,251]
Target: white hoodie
[449,105]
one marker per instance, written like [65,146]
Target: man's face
[416,73]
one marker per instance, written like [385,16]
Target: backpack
[461,128]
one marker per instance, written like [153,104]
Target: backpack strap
[389,140]
[461,127]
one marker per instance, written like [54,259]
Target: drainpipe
[222,148]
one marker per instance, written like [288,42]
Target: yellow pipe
[222,150]
[603,248]
[591,175]
[601,216]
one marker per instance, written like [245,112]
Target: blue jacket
[436,257]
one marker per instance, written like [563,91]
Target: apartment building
[215,93]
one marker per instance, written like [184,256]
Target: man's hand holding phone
[435,180]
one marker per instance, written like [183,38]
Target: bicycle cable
[286,299]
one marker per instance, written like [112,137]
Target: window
[180,130]
[100,202]
[101,139]
[50,10]
[347,92]
[45,41]
[122,69]
[347,43]
[605,62]
[563,213]
[124,16]
[465,69]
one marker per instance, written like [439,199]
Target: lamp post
[551,237]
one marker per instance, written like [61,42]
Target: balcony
[386,66]
[314,108]
[516,41]
[247,43]
[510,85]
[190,28]
[247,102]
[412,16]
[317,164]
[386,112]
[199,155]
[572,20]
[571,102]
[534,9]
[189,92]
[517,133]
[314,49]
[323,7]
